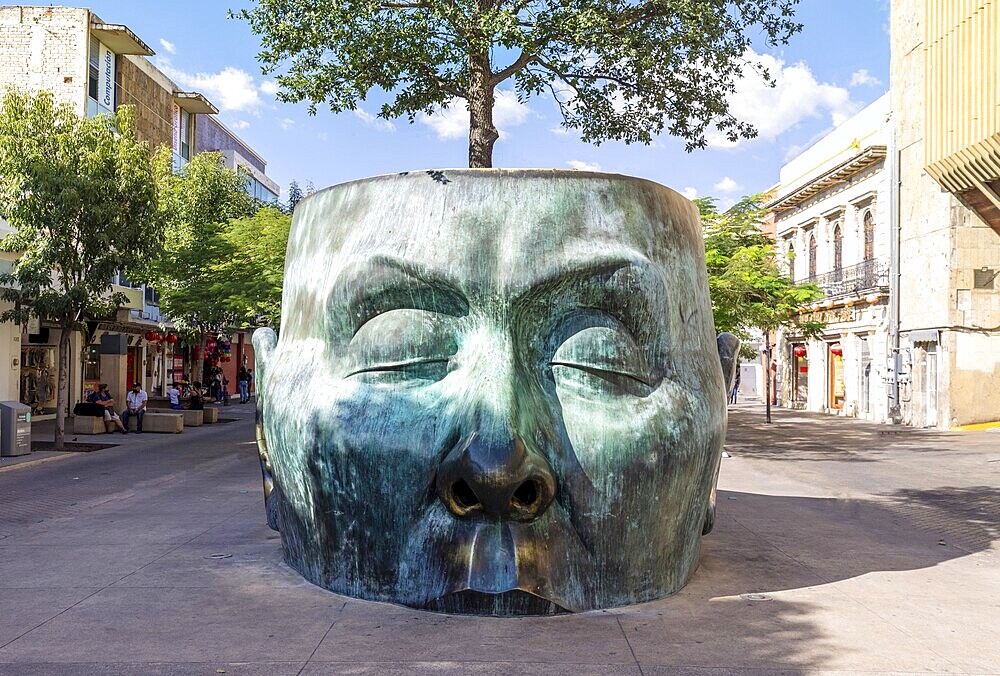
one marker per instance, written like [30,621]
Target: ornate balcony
[866,276]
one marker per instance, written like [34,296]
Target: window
[790,259]
[869,224]
[812,255]
[185,134]
[838,247]
[95,52]
[94,106]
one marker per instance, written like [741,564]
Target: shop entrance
[800,375]
[930,384]
[835,358]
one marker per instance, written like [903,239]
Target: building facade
[945,102]
[95,67]
[829,212]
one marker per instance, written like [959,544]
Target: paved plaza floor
[841,546]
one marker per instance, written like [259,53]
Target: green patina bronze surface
[495,391]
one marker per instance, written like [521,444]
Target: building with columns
[95,67]
[829,211]
[896,215]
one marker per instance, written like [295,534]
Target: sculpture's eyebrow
[383,283]
[611,281]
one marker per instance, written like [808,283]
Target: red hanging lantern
[152,336]
[799,350]
[171,338]
[210,345]
[836,350]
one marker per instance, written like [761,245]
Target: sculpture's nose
[499,478]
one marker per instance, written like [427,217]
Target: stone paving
[841,546]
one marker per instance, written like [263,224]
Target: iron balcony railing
[865,276]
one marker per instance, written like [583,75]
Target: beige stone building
[945,102]
[95,67]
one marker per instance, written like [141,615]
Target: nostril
[526,494]
[463,494]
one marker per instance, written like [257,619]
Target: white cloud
[690,193]
[584,166]
[231,89]
[797,95]
[453,121]
[287,123]
[727,185]
[240,124]
[862,78]
[269,87]
[168,46]
[372,121]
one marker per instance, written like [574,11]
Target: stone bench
[88,424]
[169,423]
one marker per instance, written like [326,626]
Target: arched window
[790,260]
[869,236]
[812,255]
[838,248]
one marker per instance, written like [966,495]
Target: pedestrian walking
[736,386]
[135,405]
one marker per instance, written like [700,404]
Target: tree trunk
[62,388]
[482,133]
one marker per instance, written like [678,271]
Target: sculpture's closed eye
[402,345]
[602,360]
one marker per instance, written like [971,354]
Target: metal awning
[119,39]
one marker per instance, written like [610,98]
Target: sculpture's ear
[264,342]
[729,355]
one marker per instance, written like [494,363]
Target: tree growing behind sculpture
[748,288]
[81,198]
[623,70]
[196,202]
[224,251]
[248,274]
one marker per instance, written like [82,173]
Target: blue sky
[838,64]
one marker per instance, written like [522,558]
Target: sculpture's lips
[512,602]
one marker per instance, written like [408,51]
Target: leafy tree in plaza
[196,203]
[623,70]
[249,273]
[81,197]
[749,290]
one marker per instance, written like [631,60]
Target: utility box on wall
[15,428]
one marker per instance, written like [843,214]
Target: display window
[38,378]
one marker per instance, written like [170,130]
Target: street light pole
[767,376]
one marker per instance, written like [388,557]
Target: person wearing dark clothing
[102,397]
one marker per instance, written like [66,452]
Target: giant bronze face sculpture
[494,391]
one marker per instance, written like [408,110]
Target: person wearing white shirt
[135,405]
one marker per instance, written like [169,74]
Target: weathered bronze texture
[495,391]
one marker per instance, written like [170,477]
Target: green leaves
[196,204]
[748,289]
[81,197]
[619,69]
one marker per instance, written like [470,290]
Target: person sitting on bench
[136,401]
[103,398]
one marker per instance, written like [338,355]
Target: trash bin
[15,428]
